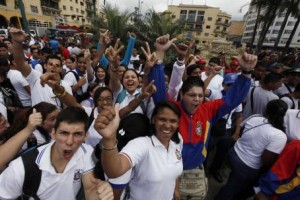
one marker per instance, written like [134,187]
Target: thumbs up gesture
[34,120]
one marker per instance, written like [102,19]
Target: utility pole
[23,14]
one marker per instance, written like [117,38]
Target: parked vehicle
[4,33]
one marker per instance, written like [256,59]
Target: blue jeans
[241,179]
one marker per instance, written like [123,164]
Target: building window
[34,9]
[3,2]
[183,15]
[218,27]
[206,34]
[77,10]
[71,8]
[290,23]
[83,20]
[192,15]
[200,16]
[216,35]
[64,7]
[82,12]
[76,1]
[198,27]
[287,32]
[278,23]
[207,27]
[81,3]
[275,31]
[209,19]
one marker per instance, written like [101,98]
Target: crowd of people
[102,124]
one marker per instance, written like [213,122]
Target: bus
[60,33]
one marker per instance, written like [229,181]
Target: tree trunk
[288,12]
[255,27]
[289,41]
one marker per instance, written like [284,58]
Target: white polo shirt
[53,185]
[260,136]
[71,80]
[19,82]
[292,124]
[155,169]
[40,93]
[149,103]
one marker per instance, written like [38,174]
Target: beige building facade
[202,22]
[49,13]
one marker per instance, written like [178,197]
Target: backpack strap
[33,174]
[75,74]
[121,96]
[251,99]
[288,88]
[91,118]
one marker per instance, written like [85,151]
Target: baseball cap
[229,78]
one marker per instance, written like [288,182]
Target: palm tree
[291,8]
[117,22]
[271,9]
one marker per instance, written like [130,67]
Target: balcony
[222,23]
[220,31]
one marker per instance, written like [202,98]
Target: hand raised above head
[17,35]
[107,122]
[247,61]
[163,43]
[151,58]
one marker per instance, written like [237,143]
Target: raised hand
[35,119]
[104,37]
[163,43]
[151,58]
[87,55]
[112,53]
[50,79]
[82,81]
[107,122]
[247,61]
[17,35]
[181,49]
[148,90]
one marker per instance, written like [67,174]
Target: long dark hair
[106,78]
[274,112]
[21,119]
[159,107]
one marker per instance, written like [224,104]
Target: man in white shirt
[53,66]
[64,163]
[134,56]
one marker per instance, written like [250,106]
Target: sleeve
[128,52]
[288,101]
[89,164]
[38,67]
[277,142]
[158,75]
[103,60]
[283,169]
[33,77]
[11,180]
[121,181]
[136,150]
[22,80]
[175,80]
[70,79]
[234,96]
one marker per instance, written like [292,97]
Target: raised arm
[129,49]
[104,40]
[11,147]
[106,124]
[18,37]
[112,54]
[90,73]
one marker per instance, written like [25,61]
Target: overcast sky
[232,7]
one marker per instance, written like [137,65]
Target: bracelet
[108,149]
[247,71]
[180,62]
[115,69]
[159,62]
[63,93]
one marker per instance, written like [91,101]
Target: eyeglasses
[106,99]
